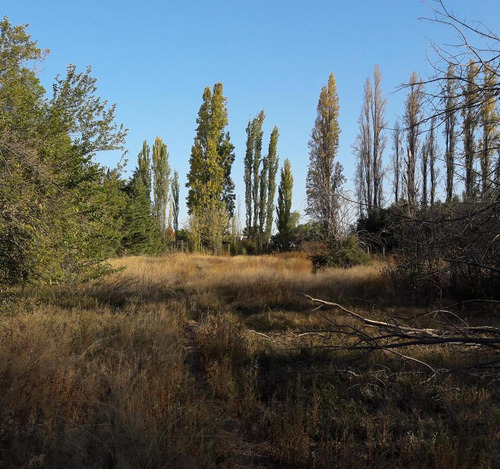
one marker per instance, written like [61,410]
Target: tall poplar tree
[324,177]
[470,123]
[413,117]
[141,231]
[433,153]
[370,145]
[363,150]
[248,177]
[257,160]
[161,182]
[272,168]
[490,134]
[175,202]
[209,178]
[450,121]
[251,175]
[284,207]
[144,167]
[260,181]
[378,106]
[397,157]
[262,185]
[424,166]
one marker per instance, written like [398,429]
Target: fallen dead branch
[397,333]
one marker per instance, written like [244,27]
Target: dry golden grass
[101,388]
[246,283]
[185,360]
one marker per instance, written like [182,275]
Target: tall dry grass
[186,360]
[102,388]
[247,283]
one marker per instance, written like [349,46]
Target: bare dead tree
[397,157]
[412,119]
[466,82]
[370,144]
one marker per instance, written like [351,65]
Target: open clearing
[198,361]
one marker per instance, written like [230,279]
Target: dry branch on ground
[398,333]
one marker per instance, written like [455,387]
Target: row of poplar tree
[211,199]
[62,214]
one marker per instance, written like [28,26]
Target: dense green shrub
[341,252]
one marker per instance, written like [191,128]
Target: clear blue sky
[153,59]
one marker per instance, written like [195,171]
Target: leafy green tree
[272,168]
[60,213]
[260,181]
[284,207]
[144,168]
[253,159]
[210,187]
[161,182]
[470,123]
[490,134]
[324,177]
[142,233]
[175,202]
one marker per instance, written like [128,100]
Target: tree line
[63,214]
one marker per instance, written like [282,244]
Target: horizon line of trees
[62,213]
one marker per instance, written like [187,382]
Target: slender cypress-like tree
[397,157]
[451,102]
[260,181]
[284,207]
[272,168]
[175,202]
[490,135]
[370,145]
[324,177]
[144,166]
[253,159]
[470,123]
[413,117]
[433,152]
[161,181]
[248,177]
[262,184]
[257,159]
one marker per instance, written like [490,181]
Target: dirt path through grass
[247,454]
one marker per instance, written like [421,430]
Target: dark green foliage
[253,160]
[60,212]
[272,168]
[260,182]
[341,252]
[283,210]
[142,232]
[161,182]
[210,199]
[175,202]
[375,231]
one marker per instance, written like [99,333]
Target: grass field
[194,361]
